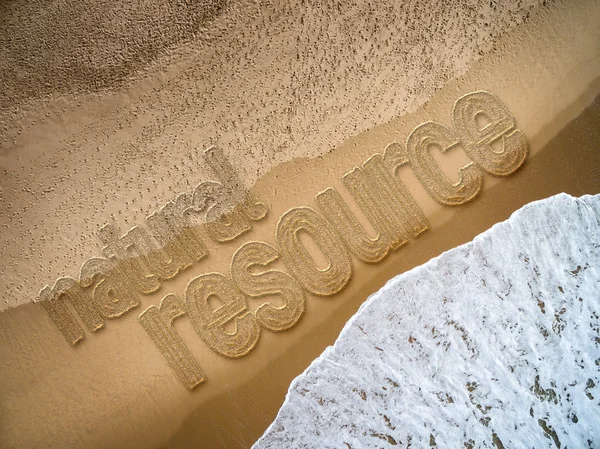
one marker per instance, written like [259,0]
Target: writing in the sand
[137,262]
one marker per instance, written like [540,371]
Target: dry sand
[248,83]
[268,82]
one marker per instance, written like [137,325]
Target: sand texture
[106,110]
[84,135]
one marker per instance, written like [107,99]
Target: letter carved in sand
[138,261]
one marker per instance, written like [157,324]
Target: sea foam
[495,343]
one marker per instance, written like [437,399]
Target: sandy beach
[273,86]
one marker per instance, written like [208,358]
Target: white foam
[489,342]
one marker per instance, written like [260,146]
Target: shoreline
[120,374]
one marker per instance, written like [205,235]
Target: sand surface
[268,82]
[295,99]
